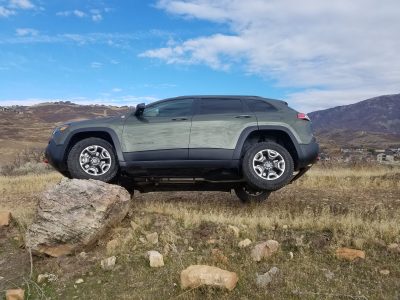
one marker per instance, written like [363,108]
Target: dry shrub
[28,161]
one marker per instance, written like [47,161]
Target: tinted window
[220,106]
[260,105]
[173,108]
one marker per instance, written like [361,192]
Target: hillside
[23,127]
[371,123]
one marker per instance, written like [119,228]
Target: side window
[260,105]
[220,106]
[173,108]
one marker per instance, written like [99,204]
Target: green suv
[248,144]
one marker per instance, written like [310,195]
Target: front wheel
[248,194]
[93,158]
[267,166]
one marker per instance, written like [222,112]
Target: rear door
[216,127]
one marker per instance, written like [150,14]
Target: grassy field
[328,208]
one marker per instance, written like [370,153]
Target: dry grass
[328,208]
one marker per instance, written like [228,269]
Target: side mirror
[139,109]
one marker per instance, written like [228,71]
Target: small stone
[112,246]
[15,294]
[190,248]
[42,278]
[328,274]
[384,272]
[46,277]
[211,241]
[350,254]
[78,281]
[394,247]
[264,250]
[134,225]
[291,255]
[156,259]
[235,230]
[285,227]
[264,279]
[5,219]
[152,238]
[245,243]
[197,275]
[83,255]
[108,263]
[143,240]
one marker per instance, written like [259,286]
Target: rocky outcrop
[74,214]
[197,275]
[264,250]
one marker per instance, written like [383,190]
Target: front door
[161,133]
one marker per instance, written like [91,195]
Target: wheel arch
[278,134]
[105,133]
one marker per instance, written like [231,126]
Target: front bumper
[55,155]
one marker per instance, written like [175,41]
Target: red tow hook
[46,161]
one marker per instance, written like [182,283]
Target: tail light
[303,116]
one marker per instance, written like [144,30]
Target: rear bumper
[308,154]
[55,155]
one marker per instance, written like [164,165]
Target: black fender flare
[108,130]
[246,132]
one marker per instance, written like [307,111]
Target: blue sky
[316,55]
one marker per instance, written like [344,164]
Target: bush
[28,161]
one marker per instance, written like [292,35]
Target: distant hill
[370,123]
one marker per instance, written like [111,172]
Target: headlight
[60,128]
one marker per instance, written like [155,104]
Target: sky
[314,54]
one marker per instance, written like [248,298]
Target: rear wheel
[93,158]
[248,194]
[267,166]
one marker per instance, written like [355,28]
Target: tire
[247,194]
[84,151]
[273,163]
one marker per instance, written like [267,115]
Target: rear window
[220,106]
[260,105]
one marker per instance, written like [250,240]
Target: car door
[216,127]
[160,133]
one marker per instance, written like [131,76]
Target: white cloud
[5,12]
[116,90]
[26,32]
[97,17]
[77,13]
[333,51]
[22,4]
[96,65]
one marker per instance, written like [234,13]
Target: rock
[108,263]
[235,230]
[190,248]
[197,275]
[46,277]
[350,254]
[211,241]
[264,250]
[112,246]
[245,243]
[156,259]
[384,272]
[264,279]
[291,255]
[16,294]
[152,238]
[219,256]
[394,247]
[328,274]
[80,280]
[134,225]
[74,214]
[5,218]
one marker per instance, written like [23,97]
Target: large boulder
[74,214]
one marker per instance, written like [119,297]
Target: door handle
[179,119]
[243,117]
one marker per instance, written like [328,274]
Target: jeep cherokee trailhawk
[248,144]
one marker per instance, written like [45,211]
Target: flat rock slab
[74,214]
